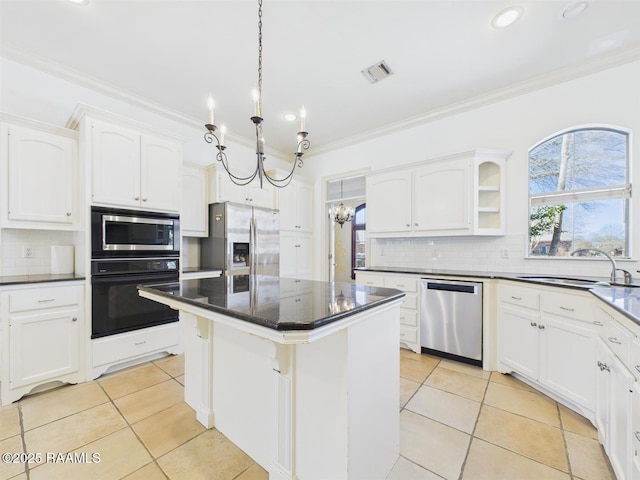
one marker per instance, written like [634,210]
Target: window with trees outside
[579,191]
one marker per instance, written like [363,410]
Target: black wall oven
[130,248]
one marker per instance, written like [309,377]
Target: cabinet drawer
[619,340]
[370,280]
[410,301]
[520,296]
[567,305]
[406,284]
[408,334]
[48,297]
[126,346]
[408,317]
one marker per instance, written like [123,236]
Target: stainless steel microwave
[130,233]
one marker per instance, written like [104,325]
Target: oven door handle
[135,277]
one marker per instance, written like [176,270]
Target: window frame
[619,191]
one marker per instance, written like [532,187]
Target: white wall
[608,97]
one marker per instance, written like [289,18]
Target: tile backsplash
[482,254]
[12,261]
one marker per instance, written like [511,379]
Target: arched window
[579,192]
[358,240]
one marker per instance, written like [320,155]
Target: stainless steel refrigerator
[242,240]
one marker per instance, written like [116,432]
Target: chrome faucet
[628,278]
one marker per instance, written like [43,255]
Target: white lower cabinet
[547,337]
[42,338]
[635,432]
[132,347]
[409,309]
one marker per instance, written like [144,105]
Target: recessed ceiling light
[81,3]
[507,17]
[575,9]
[290,117]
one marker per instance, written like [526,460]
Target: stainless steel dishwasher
[451,319]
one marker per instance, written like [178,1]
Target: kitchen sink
[570,282]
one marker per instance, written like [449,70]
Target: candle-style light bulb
[223,130]
[256,102]
[303,116]
[210,105]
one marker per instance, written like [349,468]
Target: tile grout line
[27,470]
[564,442]
[130,427]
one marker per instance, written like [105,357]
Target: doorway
[346,240]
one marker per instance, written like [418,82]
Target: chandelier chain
[260,53]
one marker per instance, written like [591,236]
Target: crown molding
[65,73]
[536,83]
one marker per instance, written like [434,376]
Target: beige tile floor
[456,422]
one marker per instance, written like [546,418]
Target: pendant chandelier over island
[259,172]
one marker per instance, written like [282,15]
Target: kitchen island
[302,375]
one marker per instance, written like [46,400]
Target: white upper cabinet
[460,194]
[222,189]
[39,177]
[295,203]
[132,169]
[193,214]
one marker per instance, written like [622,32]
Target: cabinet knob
[68,214]
[74,319]
[136,198]
[144,199]
[408,224]
[598,323]
[534,324]
[603,366]
[416,224]
[541,327]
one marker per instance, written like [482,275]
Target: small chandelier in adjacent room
[211,137]
[342,213]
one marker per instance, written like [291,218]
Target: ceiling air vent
[377,72]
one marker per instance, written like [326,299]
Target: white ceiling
[173,53]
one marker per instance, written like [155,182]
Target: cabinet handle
[534,324]
[136,198]
[399,284]
[541,327]
[68,214]
[566,308]
[46,300]
[140,343]
[637,434]
[516,298]
[638,368]
[615,340]
[598,323]
[74,319]
[603,366]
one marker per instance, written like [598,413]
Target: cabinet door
[568,356]
[620,397]
[288,207]
[304,206]
[43,346]
[193,214]
[288,253]
[304,258]
[441,196]
[519,341]
[635,432]
[389,202]
[42,176]
[603,386]
[229,191]
[115,153]
[160,171]
[260,197]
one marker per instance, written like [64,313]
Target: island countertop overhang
[272,302]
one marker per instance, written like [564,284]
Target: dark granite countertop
[43,278]
[273,301]
[625,299]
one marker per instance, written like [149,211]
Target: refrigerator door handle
[254,244]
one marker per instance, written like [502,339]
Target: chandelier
[211,137]
[342,214]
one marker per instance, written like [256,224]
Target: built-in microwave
[131,233]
